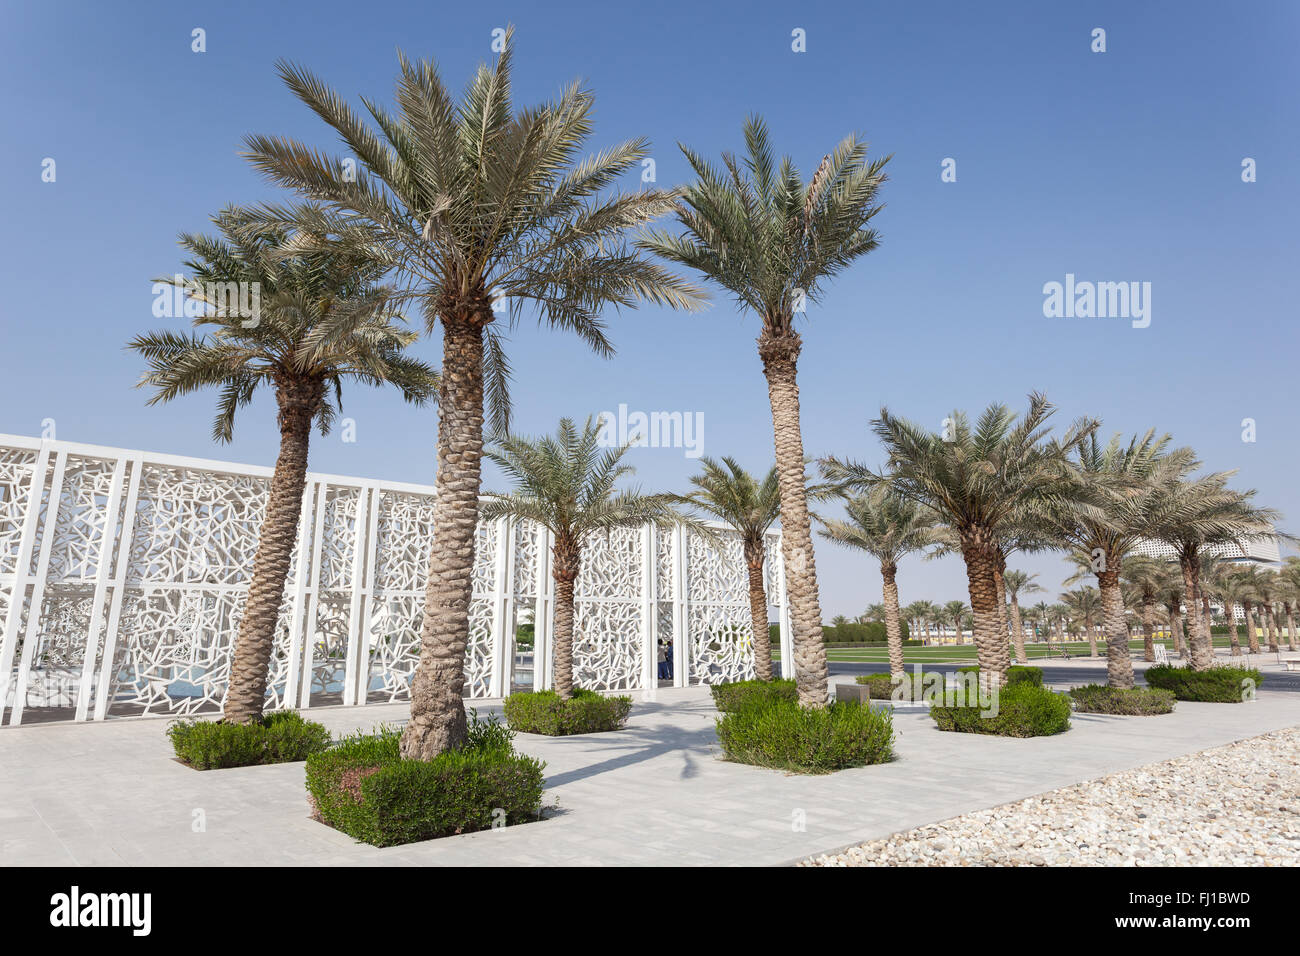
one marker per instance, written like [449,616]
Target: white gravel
[1234,805]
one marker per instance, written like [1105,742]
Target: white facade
[1256,551]
[123,575]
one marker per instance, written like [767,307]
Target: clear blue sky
[1118,166]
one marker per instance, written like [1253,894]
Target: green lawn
[965,652]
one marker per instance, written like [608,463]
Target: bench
[1292,663]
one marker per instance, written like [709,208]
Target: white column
[681,608]
[502,611]
[783,612]
[356,624]
[38,586]
[18,595]
[302,567]
[104,563]
[367,639]
[649,613]
[309,632]
[119,589]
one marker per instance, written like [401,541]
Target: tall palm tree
[1085,606]
[1116,490]
[887,527]
[479,204]
[1043,612]
[1171,596]
[1017,583]
[773,241]
[974,477]
[1146,576]
[914,614]
[1197,513]
[725,491]
[566,484]
[322,319]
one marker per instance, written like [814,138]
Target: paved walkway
[656,793]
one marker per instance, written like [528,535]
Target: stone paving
[655,793]
[1237,805]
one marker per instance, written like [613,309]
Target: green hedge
[872,633]
[546,712]
[733,696]
[881,686]
[363,787]
[1024,710]
[1221,685]
[1136,701]
[281,737]
[785,736]
[1016,674]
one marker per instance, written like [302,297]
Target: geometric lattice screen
[123,575]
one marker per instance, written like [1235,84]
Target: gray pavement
[656,793]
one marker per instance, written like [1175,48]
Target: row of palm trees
[454,208]
[1005,483]
[468,210]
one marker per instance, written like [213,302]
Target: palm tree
[1231,587]
[956,612]
[1171,596]
[1146,576]
[887,527]
[1017,583]
[566,484]
[1115,493]
[773,241]
[479,204]
[874,612]
[1043,612]
[1196,513]
[1085,606]
[735,497]
[914,614]
[1290,584]
[322,319]
[975,479]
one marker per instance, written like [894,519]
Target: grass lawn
[966,652]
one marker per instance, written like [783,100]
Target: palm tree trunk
[893,633]
[1199,657]
[437,719]
[1092,637]
[1270,627]
[780,352]
[1119,661]
[754,559]
[565,557]
[1000,582]
[1176,629]
[251,661]
[1017,632]
[990,636]
[1148,628]
[1290,625]
[1252,639]
[1229,613]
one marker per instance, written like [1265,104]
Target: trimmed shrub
[363,787]
[784,736]
[1016,674]
[1136,701]
[280,737]
[546,712]
[873,632]
[1024,710]
[1223,685]
[733,696]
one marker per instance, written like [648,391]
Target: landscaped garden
[460,204]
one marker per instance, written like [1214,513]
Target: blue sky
[1115,166]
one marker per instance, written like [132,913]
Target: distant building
[1259,551]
